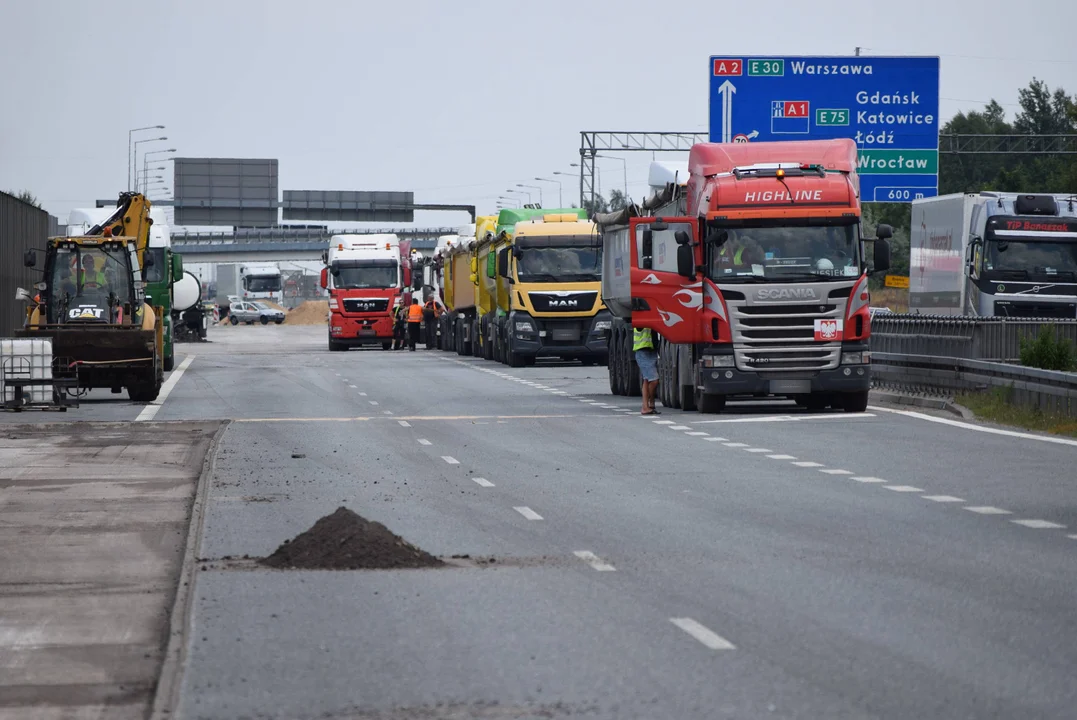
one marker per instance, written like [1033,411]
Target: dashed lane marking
[354,387]
[863,479]
[715,439]
[593,560]
[904,488]
[788,418]
[835,471]
[988,510]
[483,482]
[697,433]
[679,427]
[664,422]
[424,441]
[808,463]
[373,402]
[703,634]
[1072,537]
[757,450]
[735,444]
[527,512]
[450,459]
[782,457]
[1038,524]
[150,411]
[943,498]
[362,394]
[404,423]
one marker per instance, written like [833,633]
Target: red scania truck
[366,276]
[753,274]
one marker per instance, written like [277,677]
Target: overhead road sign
[349,206]
[888,105]
[225,191]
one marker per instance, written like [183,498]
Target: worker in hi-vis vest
[415,322]
[645,349]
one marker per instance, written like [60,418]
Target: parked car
[252,312]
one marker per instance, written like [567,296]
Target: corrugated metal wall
[22,226]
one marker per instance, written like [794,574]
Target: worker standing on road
[399,326]
[415,323]
[643,347]
[431,313]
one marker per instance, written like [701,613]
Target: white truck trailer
[994,254]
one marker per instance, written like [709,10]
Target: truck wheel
[143,392]
[855,401]
[234,320]
[615,368]
[709,403]
[264,320]
[487,348]
[278,321]
[632,376]
[335,346]
[512,359]
[170,362]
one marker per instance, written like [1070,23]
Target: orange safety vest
[415,314]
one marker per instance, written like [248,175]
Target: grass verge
[994,407]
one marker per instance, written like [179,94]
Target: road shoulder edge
[890,397]
[169,680]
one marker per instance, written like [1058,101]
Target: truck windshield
[358,277]
[262,283]
[1010,254]
[783,253]
[557,263]
[155,269]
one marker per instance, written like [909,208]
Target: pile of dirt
[311,312]
[345,541]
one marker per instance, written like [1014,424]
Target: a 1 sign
[826,329]
[728,67]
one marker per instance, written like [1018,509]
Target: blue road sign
[888,105]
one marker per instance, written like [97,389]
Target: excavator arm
[131,219]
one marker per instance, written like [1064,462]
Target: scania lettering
[994,254]
[366,276]
[749,299]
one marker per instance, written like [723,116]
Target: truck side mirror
[647,249]
[325,279]
[882,256]
[686,262]
[177,268]
[503,263]
[682,237]
[29,258]
[884,232]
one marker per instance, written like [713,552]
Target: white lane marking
[450,459]
[424,441]
[788,418]
[979,428]
[362,394]
[679,427]
[903,488]
[1039,524]
[735,444]
[483,482]
[988,510]
[943,498]
[868,479]
[782,457]
[150,411]
[715,439]
[527,512]
[593,560]
[387,412]
[808,463]
[354,387]
[705,635]
[404,423]
[697,433]
[337,374]
[1072,537]
[664,422]
[757,450]
[373,402]
[833,471]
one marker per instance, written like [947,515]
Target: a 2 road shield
[662,299]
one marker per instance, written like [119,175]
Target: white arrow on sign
[727,89]
[753,134]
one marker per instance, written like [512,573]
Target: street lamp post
[135,145]
[145,158]
[625,162]
[131,160]
[533,187]
[521,192]
[515,201]
[560,199]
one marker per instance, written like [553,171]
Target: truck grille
[566,301]
[365,305]
[781,338]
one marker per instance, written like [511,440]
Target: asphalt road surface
[765,562]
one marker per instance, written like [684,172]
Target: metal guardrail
[995,339]
[1050,391]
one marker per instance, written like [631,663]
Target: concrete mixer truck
[190,319]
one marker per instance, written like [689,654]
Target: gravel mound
[310,312]
[346,541]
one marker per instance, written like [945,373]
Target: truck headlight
[602,325]
[715,361]
[856,358]
[524,326]
[333,304]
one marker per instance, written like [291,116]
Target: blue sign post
[888,105]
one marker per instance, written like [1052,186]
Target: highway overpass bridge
[283,243]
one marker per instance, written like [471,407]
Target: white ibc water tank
[186,292]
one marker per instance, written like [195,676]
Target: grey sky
[455,100]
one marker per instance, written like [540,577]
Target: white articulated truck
[994,254]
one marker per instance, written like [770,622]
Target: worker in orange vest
[415,323]
[431,313]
